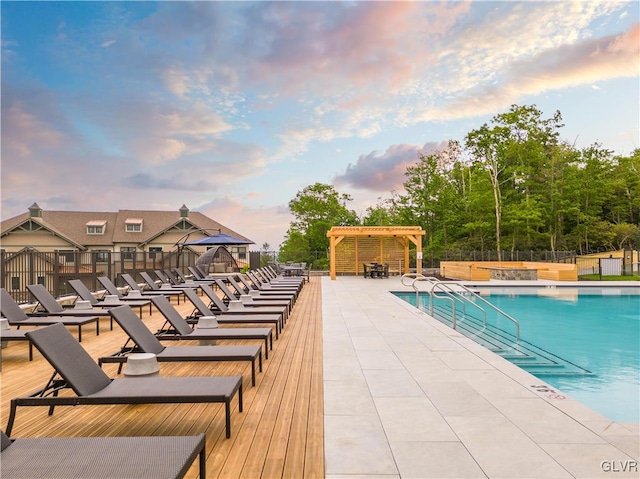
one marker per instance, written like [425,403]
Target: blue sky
[233,107]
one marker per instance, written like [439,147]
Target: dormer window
[96,227]
[133,225]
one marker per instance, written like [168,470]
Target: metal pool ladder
[455,292]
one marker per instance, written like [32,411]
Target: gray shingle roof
[71,225]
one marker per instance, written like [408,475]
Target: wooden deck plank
[279,434]
[254,463]
[278,446]
[294,456]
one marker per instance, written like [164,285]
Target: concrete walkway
[407,397]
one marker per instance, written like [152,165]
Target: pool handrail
[449,295]
[412,275]
[451,292]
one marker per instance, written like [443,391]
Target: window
[133,225]
[153,250]
[128,252]
[96,227]
[40,280]
[15,283]
[67,256]
[239,251]
[102,256]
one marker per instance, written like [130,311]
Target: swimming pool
[595,332]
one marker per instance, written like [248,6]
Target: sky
[232,108]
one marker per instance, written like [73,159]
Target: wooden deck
[278,435]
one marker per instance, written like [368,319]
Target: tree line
[512,184]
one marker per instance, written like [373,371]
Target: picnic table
[375,270]
[293,269]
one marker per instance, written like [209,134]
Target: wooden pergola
[353,246]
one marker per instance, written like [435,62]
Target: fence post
[600,267]
[3,258]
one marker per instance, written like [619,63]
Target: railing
[55,269]
[455,292]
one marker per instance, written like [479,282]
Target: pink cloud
[23,133]
[386,172]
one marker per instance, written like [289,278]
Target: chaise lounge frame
[75,369]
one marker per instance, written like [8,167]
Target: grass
[597,277]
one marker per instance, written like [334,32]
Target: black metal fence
[624,266]
[54,269]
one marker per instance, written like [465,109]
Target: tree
[316,209]
[591,189]
[265,254]
[511,153]
[431,199]
[295,247]
[381,214]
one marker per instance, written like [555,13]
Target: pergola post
[406,257]
[332,257]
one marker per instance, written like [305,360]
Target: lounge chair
[293,273]
[84,293]
[251,288]
[180,329]
[149,457]
[134,286]
[248,308]
[197,273]
[17,335]
[166,277]
[218,306]
[162,276]
[76,370]
[178,280]
[258,298]
[145,342]
[201,309]
[51,306]
[153,286]
[17,317]
[181,277]
[265,279]
[304,272]
[268,276]
[113,290]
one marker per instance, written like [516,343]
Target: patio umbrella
[219,239]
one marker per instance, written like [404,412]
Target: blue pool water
[598,330]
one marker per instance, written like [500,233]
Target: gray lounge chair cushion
[136,330]
[82,374]
[172,315]
[155,457]
[10,309]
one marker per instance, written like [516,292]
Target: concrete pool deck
[407,397]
